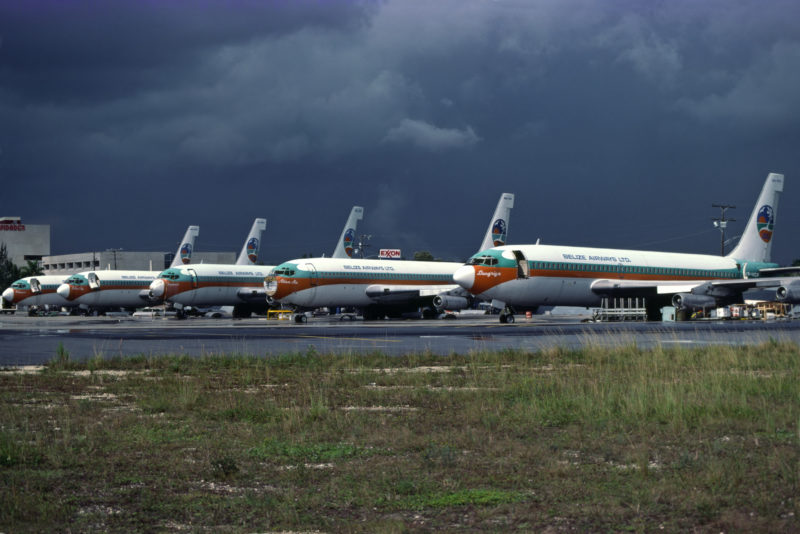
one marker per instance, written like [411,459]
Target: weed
[224,467]
[600,439]
[311,453]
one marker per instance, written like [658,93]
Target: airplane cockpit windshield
[170,275]
[283,271]
[75,280]
[483,260]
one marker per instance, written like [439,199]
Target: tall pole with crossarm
[722,223]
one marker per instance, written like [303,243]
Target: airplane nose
[157,288]
[8,295]
[465,276]
[63,291]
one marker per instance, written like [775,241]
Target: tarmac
[36,340]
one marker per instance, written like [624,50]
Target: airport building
[125,260]
[24,242]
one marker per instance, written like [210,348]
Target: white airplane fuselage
[319,282]
[108,289]
[37,291]
[568,276]
[211,285]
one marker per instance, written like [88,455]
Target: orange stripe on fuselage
[488,277]
[78,291]
[22,294]
[285,286]
[172,288]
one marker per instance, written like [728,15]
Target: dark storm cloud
[616,124]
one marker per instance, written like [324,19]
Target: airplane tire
[503,318]
[509,318]
[429,313]
[300,319]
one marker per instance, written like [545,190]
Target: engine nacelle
[690,300]
[790,293]
[449,302]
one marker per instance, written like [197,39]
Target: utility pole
[362,244]
[722,223]
[114,251]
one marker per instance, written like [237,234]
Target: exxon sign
[390,254]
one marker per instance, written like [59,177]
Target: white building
[124,260]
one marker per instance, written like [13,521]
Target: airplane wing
[780,271]
[398,294]
[645,288]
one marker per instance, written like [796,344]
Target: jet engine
[449,302]
[790,293]
[690,300]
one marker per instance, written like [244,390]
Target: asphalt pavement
[35,340]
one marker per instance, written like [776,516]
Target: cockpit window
[170,275]
[75,280]
[284,271]
[18,285]
[483,260]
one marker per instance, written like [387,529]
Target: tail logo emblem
[765,223]
[186,253]
[252,249]
[499,232]
[349,238]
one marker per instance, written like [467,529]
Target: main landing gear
[507,315]
[300,318]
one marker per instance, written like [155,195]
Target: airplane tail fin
[498,225]
[756,242]
[344,248]
[252,245]
[184,254]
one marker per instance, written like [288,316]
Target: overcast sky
[615,123]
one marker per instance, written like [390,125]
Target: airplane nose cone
[157,288]
[8,295]
[465,276]
[63,291]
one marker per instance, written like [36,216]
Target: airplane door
[311,292]
[193,275]
[523,269]
[36,287]
[313,272]
[94,281]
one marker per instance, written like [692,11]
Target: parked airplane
[205,284]
[120,288]
[42,290]
[378,287]
[226,285]
[37,290]
[527,276]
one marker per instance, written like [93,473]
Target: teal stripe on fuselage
[632,269]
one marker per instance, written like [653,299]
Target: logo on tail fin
[349,238]
[499,232]
[186,253]
[765,222]
[252,249]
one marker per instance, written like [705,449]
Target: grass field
[600,439]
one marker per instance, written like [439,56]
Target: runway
[35,340]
